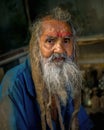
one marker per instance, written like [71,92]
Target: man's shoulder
[13,73]
[8,87]
[12,76]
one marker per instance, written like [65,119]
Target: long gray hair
[61,15]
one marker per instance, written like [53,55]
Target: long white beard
[61,78]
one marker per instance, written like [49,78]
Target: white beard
[61,78]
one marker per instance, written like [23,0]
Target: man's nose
[59,48]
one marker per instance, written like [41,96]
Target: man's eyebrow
[68,36]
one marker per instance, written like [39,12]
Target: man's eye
[50,41]
[67,40]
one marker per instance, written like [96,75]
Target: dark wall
[13,25]
[87,16]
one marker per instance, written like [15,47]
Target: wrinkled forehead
[56,27]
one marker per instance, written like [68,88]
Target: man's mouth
[58,59]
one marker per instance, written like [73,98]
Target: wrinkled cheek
[46,53]
[70,51]
[45,50]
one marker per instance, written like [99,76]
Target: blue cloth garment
[18,87]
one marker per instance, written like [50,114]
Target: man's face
[57,38]
[60,73]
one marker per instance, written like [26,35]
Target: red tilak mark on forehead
[63,34]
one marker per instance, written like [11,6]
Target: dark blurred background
[16,18]
[17,15]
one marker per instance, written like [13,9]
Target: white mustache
[57,55]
